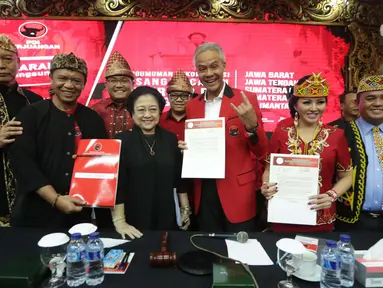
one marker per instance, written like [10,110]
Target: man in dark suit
[227,204]
[348,107]
[12,99]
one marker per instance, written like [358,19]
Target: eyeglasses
[142,111]
[174,97]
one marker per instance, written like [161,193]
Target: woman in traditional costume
[150,171]
[305,134]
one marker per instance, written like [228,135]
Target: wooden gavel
[163,258]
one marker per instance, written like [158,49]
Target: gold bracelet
[117,219]
[186,210]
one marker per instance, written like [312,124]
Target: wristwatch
[252,130]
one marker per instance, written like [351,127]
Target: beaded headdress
[371,83]
[314,87]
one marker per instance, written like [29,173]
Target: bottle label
[347,259]
[75,256]
[331,265]
[97,255]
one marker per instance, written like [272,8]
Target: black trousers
[367,222]
[212,218]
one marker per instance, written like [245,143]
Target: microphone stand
[223,257]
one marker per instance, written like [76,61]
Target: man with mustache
[227,204]
[42,157]
[361,209]
[119,82]
[349,108]
[12,99]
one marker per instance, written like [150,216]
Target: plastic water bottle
[347,254]
[94,260]
[330,263]
[75,270]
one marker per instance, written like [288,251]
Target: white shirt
[213,107]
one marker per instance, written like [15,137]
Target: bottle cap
[75,236]
[331,243]
[345,238]
[94,235]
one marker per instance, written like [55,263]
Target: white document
[205,156]
[297,177]
[110,242]
[250,253]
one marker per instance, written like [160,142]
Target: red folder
[95,172]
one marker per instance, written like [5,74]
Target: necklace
[151,147]
[310,151]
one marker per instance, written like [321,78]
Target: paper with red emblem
[297,177]
[95,172]
[205,156]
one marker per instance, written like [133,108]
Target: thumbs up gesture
[246,112]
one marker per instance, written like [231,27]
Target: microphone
[241,237]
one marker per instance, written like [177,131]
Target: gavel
[163,258]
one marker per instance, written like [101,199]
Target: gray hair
[209,46]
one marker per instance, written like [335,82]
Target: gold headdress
[7,44]
[314,87]
[69,61]
[371,83]
[117,65]
[180,82]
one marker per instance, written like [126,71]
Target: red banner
[261,58]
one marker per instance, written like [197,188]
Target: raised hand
[246,112]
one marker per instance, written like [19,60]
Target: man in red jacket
[227,204]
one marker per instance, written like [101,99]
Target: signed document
[205,156]
[297,177]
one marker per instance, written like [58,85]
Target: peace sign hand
[246,112]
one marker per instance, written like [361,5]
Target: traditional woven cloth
[372,83]
[316,86]
[117,65]
[7,44]
[179,82]
[9,178]
[69,61]
[378,144]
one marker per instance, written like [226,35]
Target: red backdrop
[261,58]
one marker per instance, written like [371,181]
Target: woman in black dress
[150,171]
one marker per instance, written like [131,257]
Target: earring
[296,118]
[320,122]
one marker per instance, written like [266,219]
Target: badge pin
[234,130]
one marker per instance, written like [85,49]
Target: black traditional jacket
[350,204]
[42,156]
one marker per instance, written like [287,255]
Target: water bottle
[347,254]
[94,260]
[75,270]
[330,263]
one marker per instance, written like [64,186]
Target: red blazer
[237,190]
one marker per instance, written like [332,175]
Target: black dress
[146,182]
